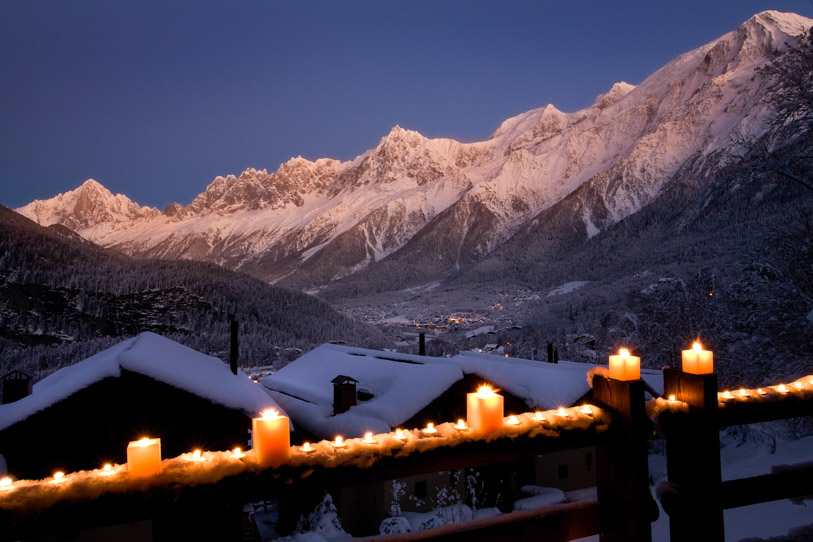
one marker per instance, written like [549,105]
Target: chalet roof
[153,356]
[403,384]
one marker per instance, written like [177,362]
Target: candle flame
[697,347]
[761,391]
[797,385]
[782,388]
[196,454]
[144,441]
[562,412]
[624,352]
[368,438]
[672,398]
[5,482]
[107,467]
[538,416]
[237,452]
[399,434]
[742,391]
[485,391]
[587,409]
[269,413]
[430,425]
[727,394]
[512,420]
[339,439]
[461,424]
[307,446]
[59,475]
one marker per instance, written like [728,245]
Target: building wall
[567,470]
[94,426]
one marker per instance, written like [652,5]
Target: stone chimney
[16,385]
[344,393]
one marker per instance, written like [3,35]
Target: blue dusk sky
[155,98]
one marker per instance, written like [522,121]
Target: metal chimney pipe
[234,347]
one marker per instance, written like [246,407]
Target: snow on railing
[208,467]
[801,389]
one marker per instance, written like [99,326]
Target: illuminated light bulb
[672,399]
[59,477]
[782,388]
[512,420]
[368,438]
[538,416]
[399,435]
[307,448]
[562,412]
[461,425]
[587,409]
[237,453]
[339,442]
[5,483]
[429,430]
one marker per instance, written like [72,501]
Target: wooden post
[622,472]
[693,501]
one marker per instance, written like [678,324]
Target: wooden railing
[694,497]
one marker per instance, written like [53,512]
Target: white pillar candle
[484,410]
[271,438]
[698,361]
[624,366]
[144,457]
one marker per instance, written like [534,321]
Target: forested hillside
[63,298]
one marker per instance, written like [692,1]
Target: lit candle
[461,425]
[197,456]
[761,391]
[144,457]
[512,420]
[743,392]
[368,438]
[538,416]
[624,366]
[727,395]
[237,453]
[59,477]
[562,412]
[339,442]
[782,388]
[672,399]
[587,409]
[271,438]
[429,430]
[399,435]
[797,385]
[5,483]
[484,410]
[307,448]
[698,361]
[107,469]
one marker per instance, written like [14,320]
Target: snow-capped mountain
[441,205]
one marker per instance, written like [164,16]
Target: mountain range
[414,209]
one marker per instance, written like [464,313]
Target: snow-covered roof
[541,385]
[153,356]
[401,385]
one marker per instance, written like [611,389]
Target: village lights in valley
[698,361]
[271,438]
[339,442]
[144,457]
[368,438]
[484,410]
[624,366]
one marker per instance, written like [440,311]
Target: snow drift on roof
[401,385]
[153,356]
